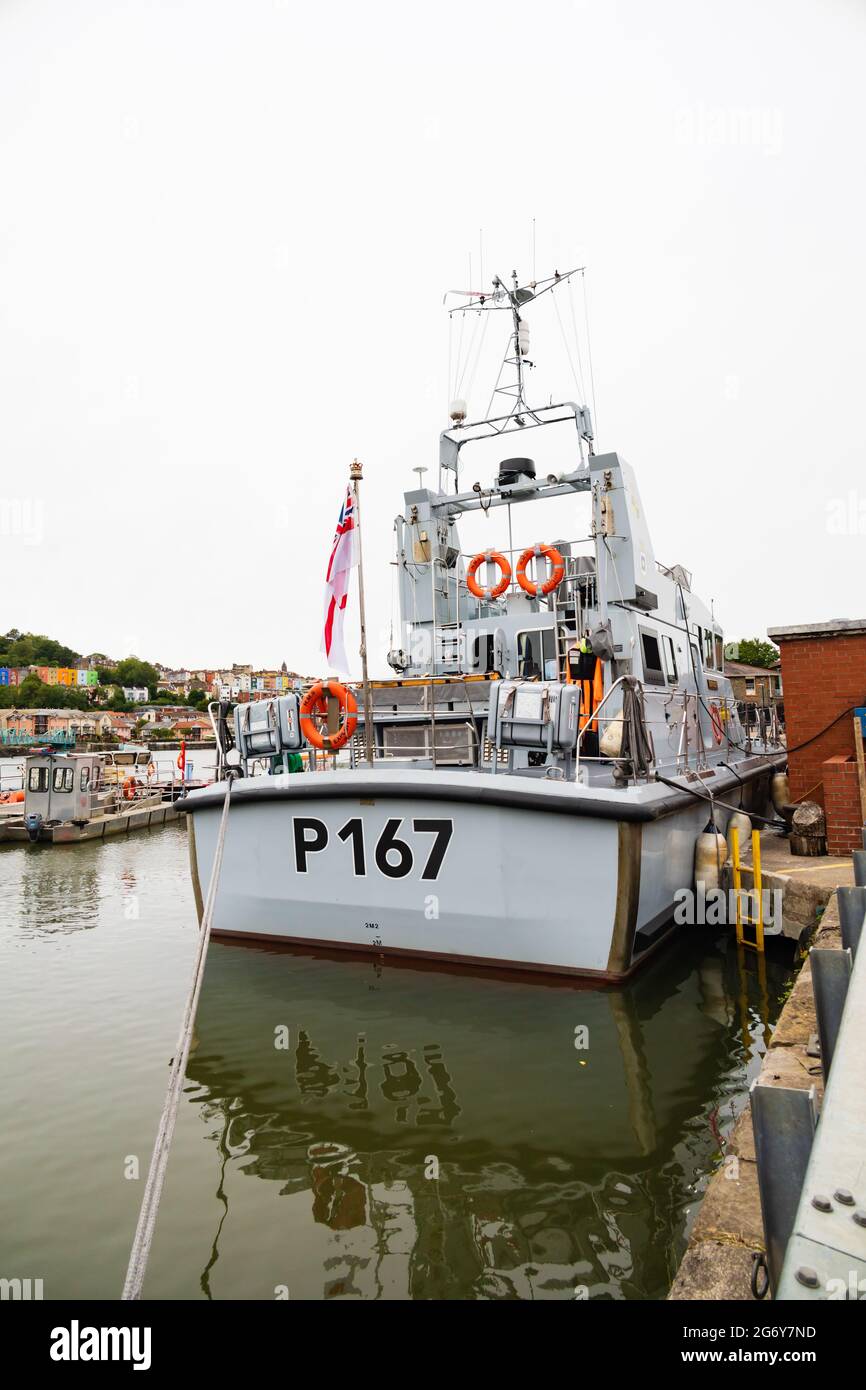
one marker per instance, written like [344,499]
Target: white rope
[159,1160]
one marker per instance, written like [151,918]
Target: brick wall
[842,805]
[821,677]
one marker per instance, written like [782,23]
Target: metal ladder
[755,893]
[565,613]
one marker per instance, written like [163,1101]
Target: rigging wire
[577,345]
[473,373]
[589,351]
[578,383]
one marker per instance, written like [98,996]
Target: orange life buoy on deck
[553,580]
[716,719]
[315,702]
[129,787]
[496,589]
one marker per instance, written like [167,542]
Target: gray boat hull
[498,871]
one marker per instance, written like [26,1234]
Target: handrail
[595,714]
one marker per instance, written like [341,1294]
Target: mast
[356,473]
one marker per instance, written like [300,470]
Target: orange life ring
[716,720]
[554,579]
[315,702]
[129,787]
[475,564]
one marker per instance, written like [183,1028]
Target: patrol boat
[528,790]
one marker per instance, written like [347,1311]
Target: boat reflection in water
[419,1134]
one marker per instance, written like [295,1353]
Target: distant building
[754,685]
[136,694]
[824,666]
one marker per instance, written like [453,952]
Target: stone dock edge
[717,1263]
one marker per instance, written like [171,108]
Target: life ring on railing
[492,591]
[716,720]
[128,789]
[553,580]
[315,702]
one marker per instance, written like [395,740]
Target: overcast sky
[226,230]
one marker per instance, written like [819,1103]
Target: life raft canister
[716,719]
[315,702]
[491,591]
[553,580]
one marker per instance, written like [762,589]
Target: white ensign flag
[344,558]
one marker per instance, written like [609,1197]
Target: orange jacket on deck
[591,690]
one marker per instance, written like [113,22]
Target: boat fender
[610,743]
[740,822]
[780,791]
[711,851]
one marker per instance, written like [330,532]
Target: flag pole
[356,474]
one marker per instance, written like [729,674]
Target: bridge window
[37,780]
[709,658]
[652,658]
[536,654]
[670,660]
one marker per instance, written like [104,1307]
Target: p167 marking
[392,856]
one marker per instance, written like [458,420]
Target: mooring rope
[159,1160]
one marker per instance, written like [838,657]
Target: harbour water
[349,1129]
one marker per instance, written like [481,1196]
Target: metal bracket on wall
[852,910]
[783,1120]
[831,972]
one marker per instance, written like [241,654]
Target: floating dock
[139,815]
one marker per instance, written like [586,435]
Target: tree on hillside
[755,652]
[35,649]
[133,671]
[33,693]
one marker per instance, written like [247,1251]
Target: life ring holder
[716,721]
[489,591]
[315,702]
[553,580]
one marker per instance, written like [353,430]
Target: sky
[226,231]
